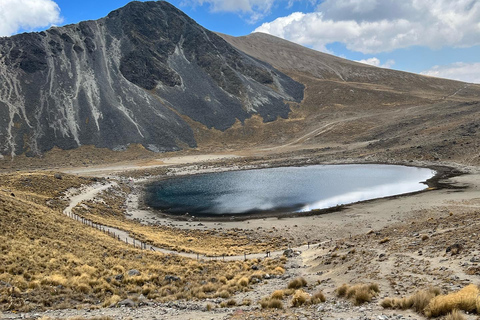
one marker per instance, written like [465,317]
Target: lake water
[288,189]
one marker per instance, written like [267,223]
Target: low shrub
[243,282]
[268,303]
[359,293]
[297,283]
[277,294]
[318,297]
[300,298]
[465,299]
[455,315]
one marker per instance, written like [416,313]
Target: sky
[433,37]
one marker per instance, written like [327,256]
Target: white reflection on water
[366,194]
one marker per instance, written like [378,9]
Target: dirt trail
[89,192]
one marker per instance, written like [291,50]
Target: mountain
[135,76]
[353,110]
[148,74]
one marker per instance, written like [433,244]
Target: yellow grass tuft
[358,293]
[455,315]
[278,271]
[466,299]
[277,294]
[318,297]
[228,304]
[300,298]
[113,300]
[297,283]
[243,282]
[417,301]
[342,290]
[268,303]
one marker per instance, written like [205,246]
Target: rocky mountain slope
[149,75]
[131,77]
[356,110]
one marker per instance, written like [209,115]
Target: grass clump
[300,298]
[243,282]
[466,299]
[358,293]
[269,303]
[318,297]
[278,294]
[455,315]
[228,304]
[432,304]
[342,290]
[297,283]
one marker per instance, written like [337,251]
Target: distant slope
[353,110]
[288,56]
[132,77]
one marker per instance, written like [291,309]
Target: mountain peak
[134,76]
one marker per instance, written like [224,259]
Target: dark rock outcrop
[127,78]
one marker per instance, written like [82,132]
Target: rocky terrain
[131,77]
[96,102]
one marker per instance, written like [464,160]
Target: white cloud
[16,15]
[254,10]
[468,72]
[372,26]
[376,62]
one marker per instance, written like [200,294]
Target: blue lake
[287,189]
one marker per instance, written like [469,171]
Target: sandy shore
[107,170]
[353,219]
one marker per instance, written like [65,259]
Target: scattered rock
[119,277]
[288,253]
[171,278]
[133,273]
[454,248]
[58,176]
[126,303]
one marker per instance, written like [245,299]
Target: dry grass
[358,293]
[384,240]
[318,297]
[228,304]
[297,283]
[300,298]
[466,299]
[108,209]
[277,294]
[51,261]
[79,318]
[269,303]
[432,304]
[455,315]
[342,290]
[417,301]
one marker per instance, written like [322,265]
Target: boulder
[133,273]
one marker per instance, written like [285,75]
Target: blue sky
[434,37]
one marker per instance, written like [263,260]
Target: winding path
[89,192]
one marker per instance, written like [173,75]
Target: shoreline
[352,219]
[434,183]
